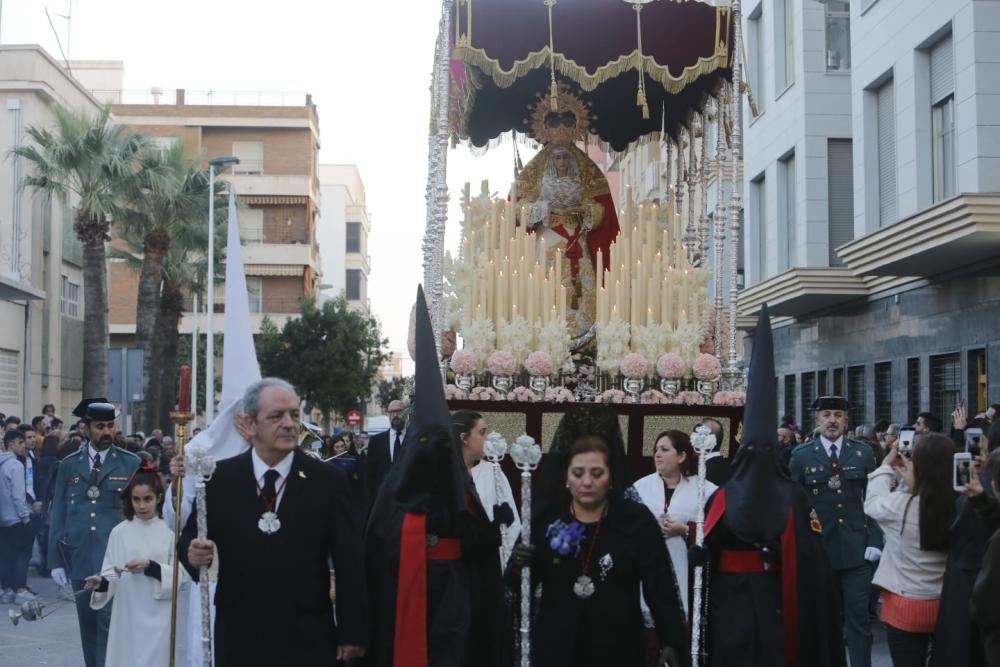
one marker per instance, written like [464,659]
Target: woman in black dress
[591,550]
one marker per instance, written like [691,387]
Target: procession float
[562,290]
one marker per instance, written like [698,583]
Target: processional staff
[201,467]
[526,454]
[496,450]
[703,441]
[180,417]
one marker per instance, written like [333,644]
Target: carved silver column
[691,232]
[200,467]
[720,221]
[679,186]
[733,372]
[703,178]
[526,454]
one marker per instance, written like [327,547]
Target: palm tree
[154,219]
[97,162]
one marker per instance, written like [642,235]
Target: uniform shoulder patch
[814,523]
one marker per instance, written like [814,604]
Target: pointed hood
[758,496]
[431,466]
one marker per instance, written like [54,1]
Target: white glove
[872,554]
[59,576]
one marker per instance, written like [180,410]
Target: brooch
[606,564]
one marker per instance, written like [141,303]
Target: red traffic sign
[354,417]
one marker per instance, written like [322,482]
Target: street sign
[354,417]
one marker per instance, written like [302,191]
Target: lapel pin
[302,475]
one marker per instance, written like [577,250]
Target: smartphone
[906,437]
[961,471]
[972,437]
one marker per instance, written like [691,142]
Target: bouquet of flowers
[612,396]
[729,398]
[453,393]
[484,394]
[559,395]
[634,366]
[689,398]
[502,363]
[565,538]
[479,337]
[706,367]
[539,363]
[671,366]
[612,344]
[465,362]
[515,336]
[654,397]
[522,394]
[553,338]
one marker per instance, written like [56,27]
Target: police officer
[834,472]
[85,507]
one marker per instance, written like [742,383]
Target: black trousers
[908,649]
[15,552]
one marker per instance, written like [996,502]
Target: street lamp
[222,163]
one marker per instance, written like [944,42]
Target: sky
[367,65]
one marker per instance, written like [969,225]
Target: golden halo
[568,103]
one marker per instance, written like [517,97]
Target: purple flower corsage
[565,538]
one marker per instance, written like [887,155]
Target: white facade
[41,282]
[342,233]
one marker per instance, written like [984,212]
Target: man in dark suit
[276,516]
[717,469]
[382,451]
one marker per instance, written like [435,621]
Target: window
[883,391]
[251,225]
[784,30]
[787,166]
[808,397]
[759,209]
[755,54]
[943,119]
[251,155]
[790,396]
[353,289]
[840,196]
[838,382]
[255,294]
[946,386]
[886,134]
[977,382]
[69,305]
[354,237]
[856,394]
[838,36]
[912,389]
[821,384]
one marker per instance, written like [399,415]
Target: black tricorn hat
[831,403]
[82,410]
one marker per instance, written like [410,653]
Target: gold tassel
[645,110]
[554,95]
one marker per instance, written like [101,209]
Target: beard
[397,423]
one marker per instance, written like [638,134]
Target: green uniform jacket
[79,527]
[847,531]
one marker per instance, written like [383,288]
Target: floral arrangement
[671,366]
[539,363]
[654,397]
[565,538]
[612,345]
[649,341]
[515,337]
[689,398]
[559,395]
[706,367]
[729,398]
[612,396]
[502,363]
[686,339]
[553,338]
[484,394]
[453,393]
[634,366]
[465,362]
[522,394]
[480,337]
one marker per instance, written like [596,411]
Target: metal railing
[272,305]
[256,98]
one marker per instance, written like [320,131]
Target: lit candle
[184,399]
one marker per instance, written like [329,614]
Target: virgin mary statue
[570,207]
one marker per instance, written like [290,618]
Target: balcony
[254,184]
[950,235]
[292,255]
[799,291]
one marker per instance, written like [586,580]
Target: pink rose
[689,398]
[539,363]
[634,366]
[502,363]
[706,367]
[464,362]
[670,366]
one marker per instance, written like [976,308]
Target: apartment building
[873,201]
[343,234]
[41,277]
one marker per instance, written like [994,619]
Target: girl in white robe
[676,477]
[138,575]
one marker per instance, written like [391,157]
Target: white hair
[251,397]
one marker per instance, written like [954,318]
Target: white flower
[515,337]
[612,345]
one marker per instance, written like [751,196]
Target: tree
[156,219]
[331,354]
[97,162]
[393,389]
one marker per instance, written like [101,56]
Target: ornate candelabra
[526,454]
[201,467]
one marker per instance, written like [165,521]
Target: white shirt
[392,443]
[827,445]
[91,452]
[283,469]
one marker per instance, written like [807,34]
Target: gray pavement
[55,641]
